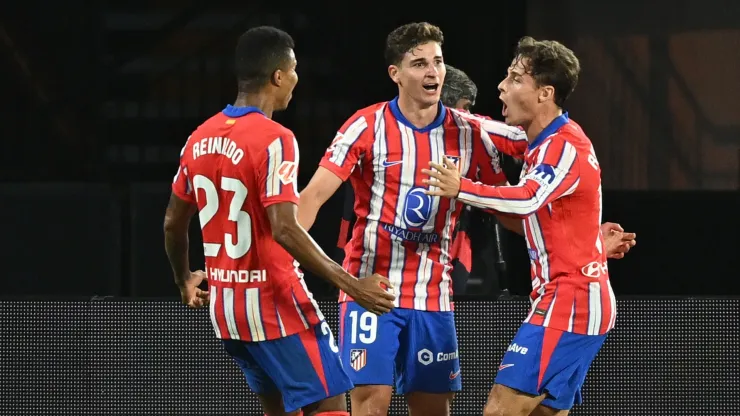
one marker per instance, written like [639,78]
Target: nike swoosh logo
[504,366]
[454,375]
[387,164]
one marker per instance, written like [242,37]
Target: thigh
[549,363]
[257,378]
[565,373]
[368,344]
[427,359]
[305,367]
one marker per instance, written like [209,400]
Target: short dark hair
[260,52]
[407,37]
[550,63]
[457,86]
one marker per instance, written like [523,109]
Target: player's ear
[546,93]
[277,78]
[394,73]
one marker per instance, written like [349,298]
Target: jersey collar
[551,128]
[233,111]
[441,113]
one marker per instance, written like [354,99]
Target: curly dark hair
[409,36]
[550,63]
[457,86]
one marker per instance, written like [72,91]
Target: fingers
[438,166]
[628,236]
[384,281]
[433,174]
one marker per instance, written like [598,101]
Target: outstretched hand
[445,177]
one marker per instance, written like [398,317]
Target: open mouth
[504,110]
[431,87]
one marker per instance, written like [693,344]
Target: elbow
[282,233]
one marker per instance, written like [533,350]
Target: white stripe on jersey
[228,303]
[426,266]
[212,310]
[300,313]
[274,160]
[344,141]
[528,206]
[370,236]
[254,314]
[498,128]
[280,323]
[594,308]
[310,297]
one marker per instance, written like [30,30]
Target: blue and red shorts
[416,348]
[541,359]
[304,368]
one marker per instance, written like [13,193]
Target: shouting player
[559,198]
[459,91]
[401,232]
[238,171]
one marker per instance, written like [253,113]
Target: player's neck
[416,114]
[540,121]
[258,100]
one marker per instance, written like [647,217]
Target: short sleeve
[277,170]
[182,185]
[348,147]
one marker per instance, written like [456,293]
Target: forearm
[515,201]
[299,244]
[176,245]
[307,212]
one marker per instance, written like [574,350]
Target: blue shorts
[304,368]
[541,360]
[419,348]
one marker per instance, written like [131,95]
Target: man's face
[421,73]
[288,78]
[520,94]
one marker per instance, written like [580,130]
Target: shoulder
[573,134]
[368,113]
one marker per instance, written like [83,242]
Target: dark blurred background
[99,97]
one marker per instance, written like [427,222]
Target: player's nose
[501,87]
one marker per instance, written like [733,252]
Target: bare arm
[296,241]
[176,222]
[322,186]
[288,233]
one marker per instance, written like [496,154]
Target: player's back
[571,289]
[240,162]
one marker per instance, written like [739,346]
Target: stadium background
[98,98]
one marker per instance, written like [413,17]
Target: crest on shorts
[358,359]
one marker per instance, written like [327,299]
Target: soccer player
[459,91]
[238,171]
[400,231]
[559,198]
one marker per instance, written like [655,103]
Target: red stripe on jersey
[306,305]
[270,322]
[240,313]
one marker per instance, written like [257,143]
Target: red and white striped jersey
[233,167]
[401,232]
[559,198]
